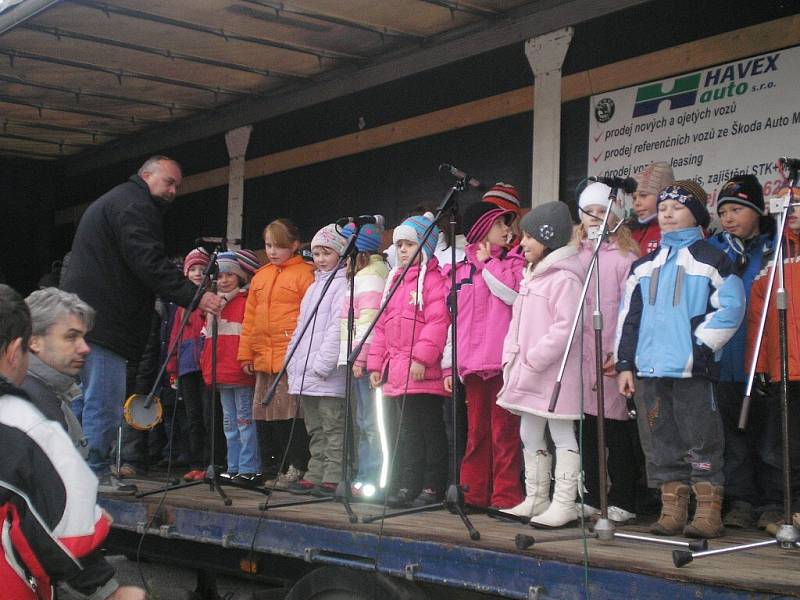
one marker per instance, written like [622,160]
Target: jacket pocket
[530,381]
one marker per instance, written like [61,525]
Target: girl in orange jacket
[270,318]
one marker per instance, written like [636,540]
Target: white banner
[710,125]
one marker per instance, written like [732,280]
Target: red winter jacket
[229,329]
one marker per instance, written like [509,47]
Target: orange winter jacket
[270,317]
[769,358]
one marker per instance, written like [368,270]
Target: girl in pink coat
[532,353]
[487,281]
[406,355]
[614,261]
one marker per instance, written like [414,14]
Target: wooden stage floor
[771,571]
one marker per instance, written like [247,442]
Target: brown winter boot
[707,522]
[674,509]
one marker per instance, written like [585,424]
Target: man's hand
[417,371]
[128,592]
[210,303]
[375,379]
[625,383]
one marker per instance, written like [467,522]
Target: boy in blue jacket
[746,236]
[682,304]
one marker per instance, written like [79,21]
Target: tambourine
[140,416]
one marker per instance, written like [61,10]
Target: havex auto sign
[709,125]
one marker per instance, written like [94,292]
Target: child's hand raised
[609,367]
[483,251]
[375,379]
[417,371]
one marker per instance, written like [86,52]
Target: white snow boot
[562,509]
[537,485]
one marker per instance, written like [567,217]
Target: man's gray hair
[151,163]
[50,304]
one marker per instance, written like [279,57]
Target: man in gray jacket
[58,351]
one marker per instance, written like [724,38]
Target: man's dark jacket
[118,265]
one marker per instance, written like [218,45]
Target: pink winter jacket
[614,268]
[486,292]
[537,337]
[393,347]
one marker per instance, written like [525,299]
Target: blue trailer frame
[508,575]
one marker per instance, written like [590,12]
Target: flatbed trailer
[427,555]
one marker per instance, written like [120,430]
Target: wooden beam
[692,56]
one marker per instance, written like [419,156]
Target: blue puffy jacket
[682,304]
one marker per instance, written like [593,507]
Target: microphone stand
[212,477]
[787,535]
[342,493]
[604,529]
[454,497]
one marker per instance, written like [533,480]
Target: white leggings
[531,431]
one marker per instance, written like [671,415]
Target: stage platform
[435,547]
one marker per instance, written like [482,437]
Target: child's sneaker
[254,479]
[292,475]
[300,487]
[195,475]
[426,497]
[324,490]
[400,499]
[620,516]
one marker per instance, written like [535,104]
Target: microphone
[459,174]
[362,220]
[789,163]
[627,184]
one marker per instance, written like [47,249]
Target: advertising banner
[709,125]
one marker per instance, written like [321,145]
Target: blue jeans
[240,429]
[369,444]
[103,383]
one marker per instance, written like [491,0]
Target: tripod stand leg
[684,557]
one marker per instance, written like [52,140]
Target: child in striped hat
[505,196]
[405,357]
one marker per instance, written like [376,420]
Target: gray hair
[152,163]
[50,304]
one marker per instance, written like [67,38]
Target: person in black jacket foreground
[53,527]
[118,264]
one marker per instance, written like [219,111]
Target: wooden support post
[236,140]
[546,55]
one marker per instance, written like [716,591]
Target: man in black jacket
[118,264]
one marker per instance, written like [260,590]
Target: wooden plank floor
[765,570]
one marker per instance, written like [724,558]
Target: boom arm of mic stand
[579,309]
[448,199]
[274,386]
[186,313]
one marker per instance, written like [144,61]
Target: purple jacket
[321,341]
[486,292]
[405,332]
[537,337]
[614,268]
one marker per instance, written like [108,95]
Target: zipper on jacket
[679,276]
